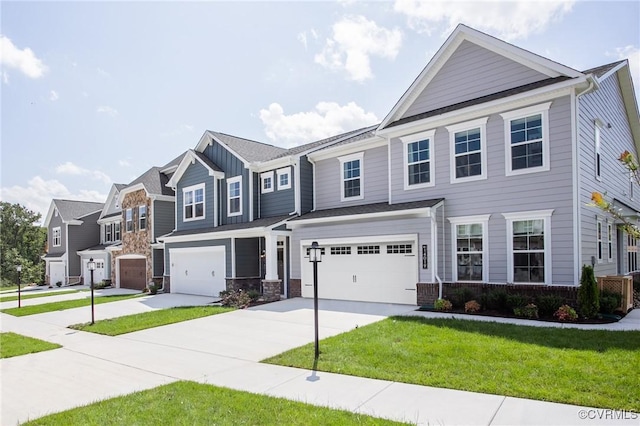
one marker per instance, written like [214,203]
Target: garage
[57,273]
[98,273]
[364,271]
[133,274]
[198,270]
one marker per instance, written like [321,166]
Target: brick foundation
[271,290]
[244,284]
[427,293]
[295,287]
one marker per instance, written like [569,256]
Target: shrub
[494,300]
[460,296]
[153,289]
[472,307]
[59,283]
[588,294]
[254,295]
[548,304]
[529,311]
[516,301]
[566,313]
[609,301]
[442,305]
[235,299]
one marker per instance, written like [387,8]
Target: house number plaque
[425,257]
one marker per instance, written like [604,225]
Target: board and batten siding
[194,175]
[373,184]
[306,185]
[503,194]
[279,202]
[472,72]
[606,105]
[164,217]
[226,242]
[82,237]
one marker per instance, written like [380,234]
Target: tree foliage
[22,242]
[588,294]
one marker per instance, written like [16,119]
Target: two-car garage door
[367,271]
[198,270]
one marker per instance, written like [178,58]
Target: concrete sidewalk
[224,349]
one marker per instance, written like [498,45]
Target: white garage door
[372,272]
[98,273]
[57,273]
[198,270]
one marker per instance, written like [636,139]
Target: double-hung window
[610,242]
[128,220]
[599,242]
[351,167]
[234,196]
[116,231]
[107,232]
[142,218]
[193,201]
[632,254]
[468,150]
[529,247]
[56,237]
[284,178]
[527,139]
[266,180]
[470,250]
[418,160]
[598,159]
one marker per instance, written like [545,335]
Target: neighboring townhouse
[147,212]
[71,226]
[110,222]
[481,173]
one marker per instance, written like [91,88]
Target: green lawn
[130,323]
[7,288]
[584,367]
[30,295]
[67,304]
[12,344]
[189,403]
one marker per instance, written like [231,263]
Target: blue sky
[94,93]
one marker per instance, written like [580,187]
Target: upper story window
[55,212]
[284,178]
[128,220]
[193,202]
[142,218]
[116,231]
[470,251]
[108,234]
[529,247]
[56,237]
[234,196]
[418,160]
[610,242]
[351,167]
[527,139]
[598,159]
[467,143]
[266,180]
[599,241]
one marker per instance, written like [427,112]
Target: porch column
[271,260]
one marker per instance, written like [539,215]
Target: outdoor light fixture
[19,269]
[315,256]
[92,267]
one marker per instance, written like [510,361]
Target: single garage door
[199,271]
[133,274]
[378,272]
[57,273]
[98,273]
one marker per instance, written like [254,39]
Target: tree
[588,294]
[22,242]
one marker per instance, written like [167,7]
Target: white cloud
[124,162]
[632,53]
[327,119]
[355,39]
[5,77]
[69,168]
[105,109]
[53,95]
[302,38]
[24,60]
[507,20]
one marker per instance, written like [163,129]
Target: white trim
[361,240]
[208,138]
[480,123]
[543,110]
[232,244]
[238,233]
[597,155]
[470,220]
[610,242]
[190,158]
[599,240]
[281,172]
[264,178]
[419,212]
[126,221]
[417,137]
[297,191]
[53,236]
[230,181]
[349,148]
[346,159]
[140,228]
[193,189]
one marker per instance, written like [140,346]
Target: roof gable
[111,199]
[245,150]
[191,157]
[71,210]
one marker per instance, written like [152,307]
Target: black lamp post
[19,269]
[315,256]
[92,267]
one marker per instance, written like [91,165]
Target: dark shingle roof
[258,223]
[173,163]
[207,161]
[111,215]
[72,209]
[602,69]
[53,255]
[368,209]
[251,151]
[120,186]
[154,182]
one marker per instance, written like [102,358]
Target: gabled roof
[72,210]
[602,69]
[113,193]
[190,157]
[153,181]
[246,150]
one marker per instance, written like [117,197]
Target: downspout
[313,165]
[297,202]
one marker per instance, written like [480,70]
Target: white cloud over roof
[23,60]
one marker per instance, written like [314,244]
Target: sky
[96,93]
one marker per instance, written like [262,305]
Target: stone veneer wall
[245,284]
[295,287]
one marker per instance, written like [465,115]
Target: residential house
[71,227]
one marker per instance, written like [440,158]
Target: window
[116,231]
[631,181]
[234,196]
[108,233]
[469,249]
[284,179]
[598,160]
[267,182]
[599,240]
[399,249]
[468,152]
[527,139]
[340,250]
[529,247]
[56,237]
[142,218]
[368,249]
[100,264]
[128,220]
[610,242]
[351,166]
[418,160]
[55,212]
[632,254]
[193,202]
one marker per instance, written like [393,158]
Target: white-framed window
[340,250]
[193,202]
[99,264]
[598,159]
[599,242]
[468,153]
[419,170]
[609,242]
[142,218]
[632,254]
[527,139]
[56,237]
[470,250]
[631,184]
[116,231]
[283,178]
[108,231]
[368,249]
[399,248]
[128,220]
[55,212]
[351,169]
[266,182]
[529,247]
[234,196]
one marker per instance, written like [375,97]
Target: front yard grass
[135,322]
[67,304]
[190,403]
[584,367]
[12,344]
[29,295]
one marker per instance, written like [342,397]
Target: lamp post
[92,267]
[19,269]
[315,256]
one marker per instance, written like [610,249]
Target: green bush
[494,300]
[254,295]
[460,296]
[529,311]
[442,305]
[588,294]
[548,304]
[566,313]
[609,301]
[516,301]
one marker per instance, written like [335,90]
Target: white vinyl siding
[468,153]
[529,247]
[419,170]
[193,203]
[527,139]
[234,196]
